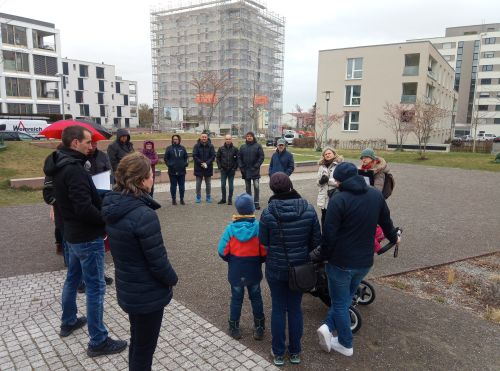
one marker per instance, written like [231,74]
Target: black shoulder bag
[301,277]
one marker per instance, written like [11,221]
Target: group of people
[287,234]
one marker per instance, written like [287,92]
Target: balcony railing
[408,98]
[410,71]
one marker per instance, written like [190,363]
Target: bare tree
[212,89]
[325,122]
[399,119]
[425,119]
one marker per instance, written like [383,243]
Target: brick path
[30,320]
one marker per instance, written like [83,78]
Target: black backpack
[389,185]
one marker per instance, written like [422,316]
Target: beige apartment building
[361,80]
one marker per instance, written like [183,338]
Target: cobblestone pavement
[30,320]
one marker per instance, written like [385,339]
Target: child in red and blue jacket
[241,248]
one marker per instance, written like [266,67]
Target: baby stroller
[365,294]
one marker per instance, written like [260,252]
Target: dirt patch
[472,284]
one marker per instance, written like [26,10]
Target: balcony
[410,71]
[408,98]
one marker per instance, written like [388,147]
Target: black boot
[234,329]
[259,327]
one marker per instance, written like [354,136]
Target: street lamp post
[61,76]
[327,98]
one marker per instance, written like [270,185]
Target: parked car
[485,136]
[272,142]
[496,140]
[17,136]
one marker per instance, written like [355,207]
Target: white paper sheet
[102,180]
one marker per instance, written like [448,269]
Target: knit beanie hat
[244,204]
[368,152]
[280,183]
[344,171]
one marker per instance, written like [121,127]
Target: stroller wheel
[365,294]
[356,321]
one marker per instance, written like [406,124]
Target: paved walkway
[30,320]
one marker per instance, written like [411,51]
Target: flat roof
[377,45]
[27,20]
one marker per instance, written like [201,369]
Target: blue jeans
[342,285]
[86,260]
[237,295]
[174,181]
[248,189]
[226,176]
[285,301]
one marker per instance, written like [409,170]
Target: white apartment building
[361,80]
[92,91]
[31,56]
[474,53]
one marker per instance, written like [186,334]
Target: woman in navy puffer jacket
[301,234]
[144,276]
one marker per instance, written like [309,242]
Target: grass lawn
[23,160]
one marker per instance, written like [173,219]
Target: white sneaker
[335,345]
[325,338]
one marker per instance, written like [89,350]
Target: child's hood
[245,230]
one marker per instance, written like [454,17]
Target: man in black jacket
[250,158]
[176,159]
[203,156]
[120,148]
[80,205]
[227,162]
[348,244]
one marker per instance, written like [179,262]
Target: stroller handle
[390,245]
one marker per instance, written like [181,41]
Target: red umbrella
[55,130]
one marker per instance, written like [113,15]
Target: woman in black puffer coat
[144,276]
[300,234]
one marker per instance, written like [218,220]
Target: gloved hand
[315,255]
[323,179]
[204,165]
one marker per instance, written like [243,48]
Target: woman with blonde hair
[326,183]
[144,276]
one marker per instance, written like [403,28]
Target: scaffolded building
[239,42]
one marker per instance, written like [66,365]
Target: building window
[97,120]
[19,108]
[80,84]
[99,72]
[44,65]
[125,100]
[482,107]
[65,68]
[79,96]
[412,62]
[100,98]
[496,121]
[133,112]
[48,109]
[409,92]
[102,111]
[119,111]
[47,89]
[352,95]
[17,87]
[489,40]
[84,110]
[484,95]
[101,85]
[118,87]
[354,68]
[448,58]
[132,88]
[485,81]
[127,122]
[487,67]
[84,70]
[488,54]
[446,46]
[14,61]
[351,121]
[14,35]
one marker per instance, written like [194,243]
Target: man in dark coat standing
[120,148]
[282,160]
[203,156]
[227,162]
[351,219]
[250,158]
[80,205]
[176,159]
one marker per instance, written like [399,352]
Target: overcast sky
[115,33]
